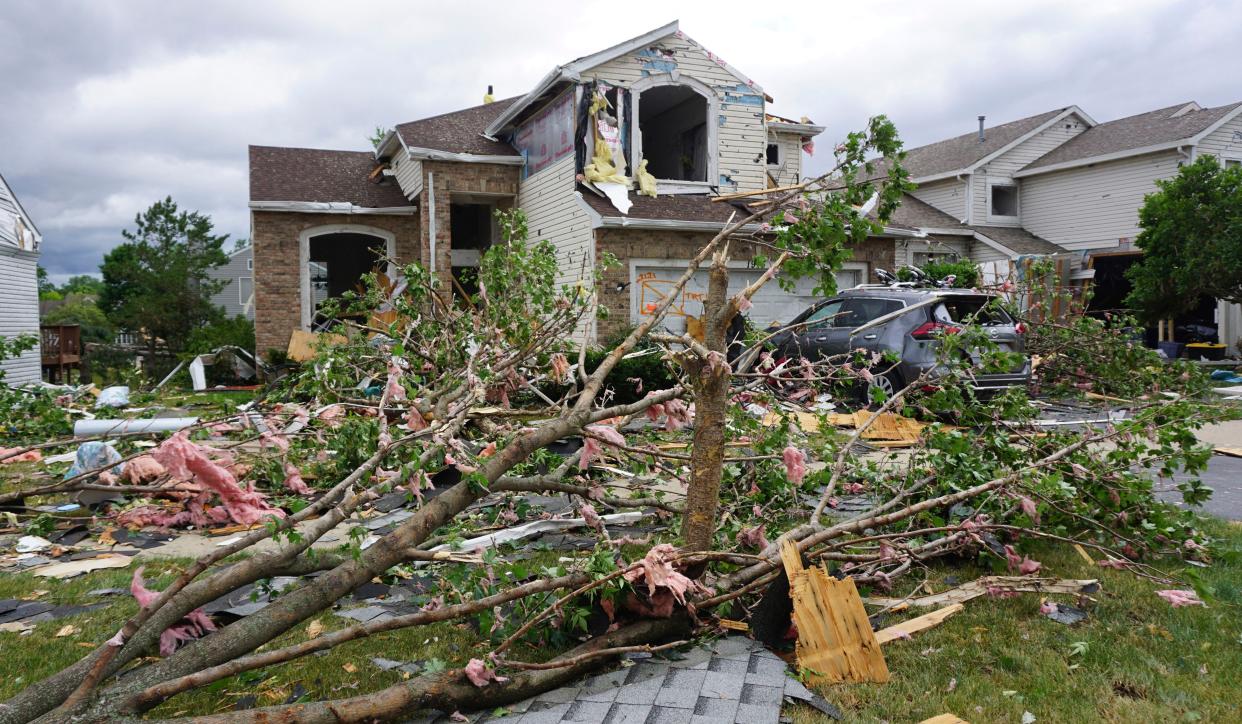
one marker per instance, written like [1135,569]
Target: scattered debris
[69,569]
[835,640]
[1063,613]
[991,585]
[914,625]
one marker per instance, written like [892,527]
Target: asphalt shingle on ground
[734,680]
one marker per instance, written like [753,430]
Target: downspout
[970,197]
[431,222]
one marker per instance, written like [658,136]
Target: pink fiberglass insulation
[189,461]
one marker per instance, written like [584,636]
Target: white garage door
[652,281]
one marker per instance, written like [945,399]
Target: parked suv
[829,328]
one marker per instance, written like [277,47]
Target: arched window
[333,260]
[674,130]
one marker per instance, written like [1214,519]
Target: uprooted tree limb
[442,428]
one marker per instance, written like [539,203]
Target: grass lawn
[1134,659]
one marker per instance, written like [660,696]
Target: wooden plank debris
[1003,584]
[905,628]
[835,640]
[302,344]
[1233,452]
[887,428]
[944,719]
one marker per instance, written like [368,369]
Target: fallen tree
[443,377]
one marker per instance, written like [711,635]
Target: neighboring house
[1062,183]
[19,285]
[429,191]
[237,296]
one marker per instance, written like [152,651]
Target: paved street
[1224,474]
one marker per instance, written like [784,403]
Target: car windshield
[851,312]
[967,310]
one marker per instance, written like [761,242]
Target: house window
[774,154]
[1003,200]
[1231,162]
[250,265]
[672,125]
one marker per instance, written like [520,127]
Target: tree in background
[83,312]
[157,281]
[84,284]
[47,290]
[1191,241]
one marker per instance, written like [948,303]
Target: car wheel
[888,383]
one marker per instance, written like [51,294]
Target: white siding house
[237,296]
[19,287]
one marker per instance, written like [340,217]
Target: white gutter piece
[331,207]
[431,219]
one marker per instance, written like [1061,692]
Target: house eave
[431,154]
[801,129]
[332,207]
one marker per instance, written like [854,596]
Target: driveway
[1223,474]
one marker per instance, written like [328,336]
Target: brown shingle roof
[964,150]
[311,174]
[675,207]
[459,131]
[1134,132]
[915,213]
[1019,240]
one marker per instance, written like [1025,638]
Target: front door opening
[672,121]
[472,228]
[336,265]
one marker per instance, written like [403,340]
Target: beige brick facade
[628,244]
[277,279]
[456,179]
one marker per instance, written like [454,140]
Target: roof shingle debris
[322,176]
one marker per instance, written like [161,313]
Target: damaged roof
[1164,126]
[459,131]
[675,207]
[319,175]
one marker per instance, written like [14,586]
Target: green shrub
[235,332]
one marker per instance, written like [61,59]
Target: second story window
[672,121]
[774,154]
[1003,200]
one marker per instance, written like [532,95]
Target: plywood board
[914,625]
[835,640]
[302,344]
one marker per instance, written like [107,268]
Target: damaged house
[19,285]
[619,152]
[1064,185]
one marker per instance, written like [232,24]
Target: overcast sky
[111,105]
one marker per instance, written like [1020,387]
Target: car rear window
[860,310]
[965,310]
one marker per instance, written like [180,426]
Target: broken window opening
[473,229]
[774,154]
[672,123]
[337,264]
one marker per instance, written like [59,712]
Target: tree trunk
[711,394]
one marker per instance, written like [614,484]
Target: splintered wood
[888,430]
[835,641]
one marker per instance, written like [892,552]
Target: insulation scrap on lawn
[835,640]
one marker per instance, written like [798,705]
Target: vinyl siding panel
[409,175]
[949,196]
[981,253]
[554,214]
[1224,142]
[1093,207]
[235,295]
[790,169]
[19,311]
[740,127]
[1004,166]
